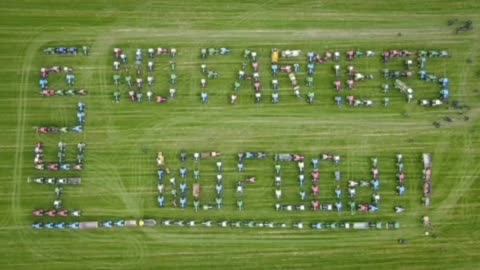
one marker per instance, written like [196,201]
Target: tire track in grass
[105,176]
[134,252]
[112,181]
[110,184]
[466,180]
[466,67]
[64,114]
[129,200]
[24,233]
[470,170]
[33,246]
[413,197]
[100,47]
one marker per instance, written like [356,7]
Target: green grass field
[122,139]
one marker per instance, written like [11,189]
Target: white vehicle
[223,224]
[400,85]
[424,103]
[299,225]
[207,223]
[368,103]
[291,53]
[278,194]
[436,103]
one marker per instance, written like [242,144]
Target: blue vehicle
[49,226]
[161,201]
[373,208]
[81,119]
[275,70]
[445,82]
[120,223]
[61,50]
[107,224]
[183,188]
[183,202]
[60,226]
[75,225]
[183,172]
[65,167]
[225,51]
[311,69]
[70,79]
[77,129]
[37,226]
[376,184]
[275,98]
[43,84]
[445,94]
[72,50]
[339,206]
[82,107]
[252,155]
[317,226]
[204,97]
[338,192]
[311,57]
[339,101]
[315,163]
[161,174]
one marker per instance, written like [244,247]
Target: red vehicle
[162,51]
[39,148]
[52,213]
[251,180]
[39,213]
[406,53]
[351,55]
[386,57]
[258,87]
[316,190]
[63,213]
[338,86]
[316,205]
[401,178]
[298,158]
[395,53]
[82,92]
[351,84]
[255,66]
[78,167]
[161,99]
[48,93]
[53,167]
[38,159]
[286,69]
[117,52]
[132,95]
[375,173]
[351,100]
[319,59]
[363,208]
[51,130]
[328,56]
[54,69]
